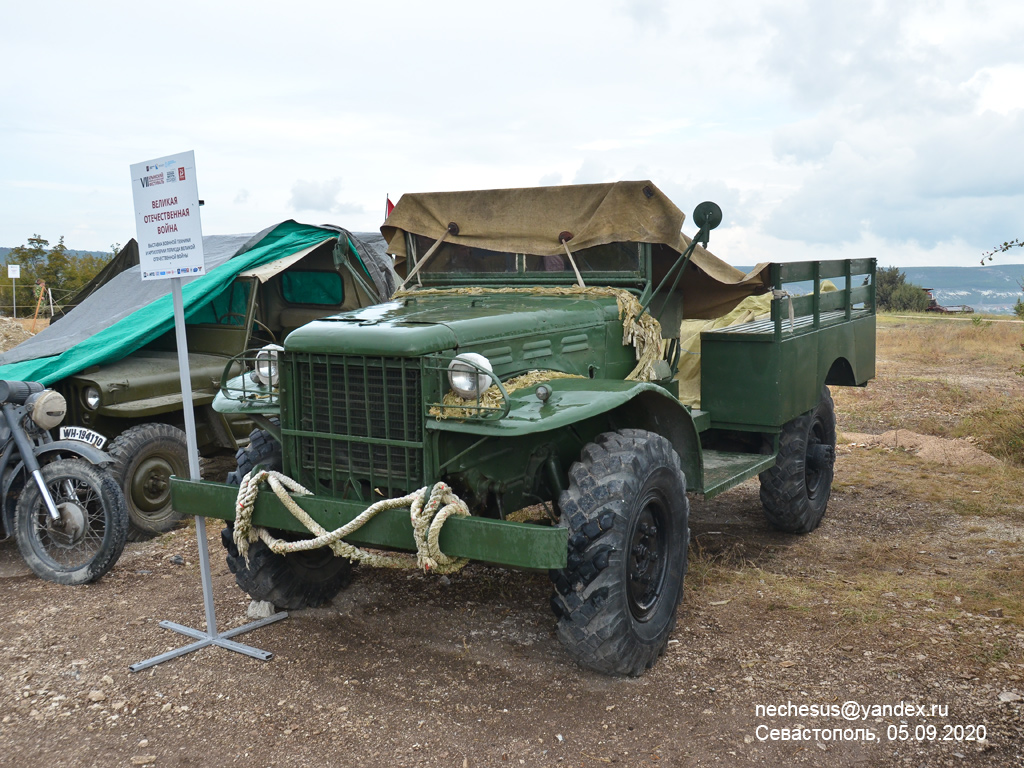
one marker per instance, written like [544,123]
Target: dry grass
[928,548]
[946,377]
[937,340]
[914,556]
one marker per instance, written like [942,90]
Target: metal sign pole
[170,238]
[210,636]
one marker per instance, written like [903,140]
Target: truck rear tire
[298,580]
[145,456]
[627,515]
[795,492]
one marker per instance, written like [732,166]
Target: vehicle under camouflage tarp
[114,356]
[531,364]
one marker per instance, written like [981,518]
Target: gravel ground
[404,669]
[910,592]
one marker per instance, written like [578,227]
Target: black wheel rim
[74,540]
[647,564]
[150,486]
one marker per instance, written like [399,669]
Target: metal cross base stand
[211,636]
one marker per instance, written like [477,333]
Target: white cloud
[315,195]
[1001,88]
[321,197]
[819,127]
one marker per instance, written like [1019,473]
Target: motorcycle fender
[83,450]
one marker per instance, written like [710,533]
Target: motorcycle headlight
[266,370]
[464,375]
[47,408]
[91,398]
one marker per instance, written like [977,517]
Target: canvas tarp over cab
[530,220]
[126,258]
[127,313]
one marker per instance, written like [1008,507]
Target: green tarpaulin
[156,318]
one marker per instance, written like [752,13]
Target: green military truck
[541,356]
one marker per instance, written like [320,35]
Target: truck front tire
[627,515]
[145,456]
[795,492]
[298,580]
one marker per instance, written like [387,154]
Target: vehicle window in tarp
[305,287]
[227,308]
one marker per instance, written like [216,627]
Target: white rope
[429,508]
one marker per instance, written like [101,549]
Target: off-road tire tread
[783,488]
[594,622]
[262,450]
[267,575]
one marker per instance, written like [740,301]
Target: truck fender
[664,415]
[626,404]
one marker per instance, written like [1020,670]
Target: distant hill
[987,289]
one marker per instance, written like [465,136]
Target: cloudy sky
[823,129]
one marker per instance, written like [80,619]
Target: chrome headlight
[465,376]
[266,370]
[47,408]
[91,398]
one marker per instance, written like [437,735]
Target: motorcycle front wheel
[89,536]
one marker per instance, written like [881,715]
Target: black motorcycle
[67,514]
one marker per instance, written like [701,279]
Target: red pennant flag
[388,207]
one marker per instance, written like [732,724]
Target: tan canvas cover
[530,220]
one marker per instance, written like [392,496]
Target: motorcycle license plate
[84,435]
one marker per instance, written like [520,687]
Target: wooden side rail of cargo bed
[767,329]
[816,309]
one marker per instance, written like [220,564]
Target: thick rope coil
[429,508]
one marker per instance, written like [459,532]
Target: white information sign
[169,232]
[14,271]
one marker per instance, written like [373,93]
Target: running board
[724,470]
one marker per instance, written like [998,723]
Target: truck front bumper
[519,545]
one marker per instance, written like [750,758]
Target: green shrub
[908,298]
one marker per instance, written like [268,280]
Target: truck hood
[421,325]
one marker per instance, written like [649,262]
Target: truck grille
[357,423]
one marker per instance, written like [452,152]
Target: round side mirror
[707,215]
